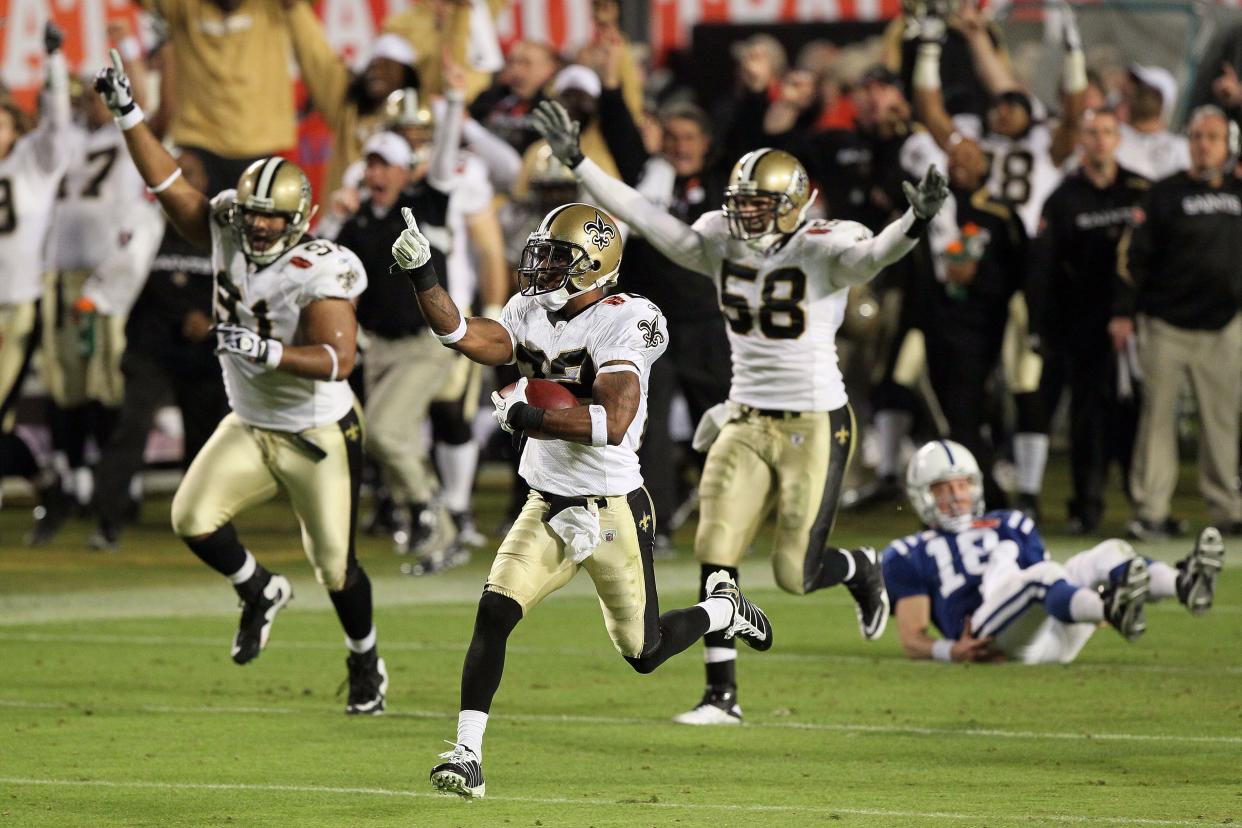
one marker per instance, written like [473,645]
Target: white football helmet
[936,462]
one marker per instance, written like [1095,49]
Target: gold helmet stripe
[263,190]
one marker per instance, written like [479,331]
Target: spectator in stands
[353,105]
[1147,146]
[232,84]
[464,29]
[1074,258]
[169,351]
[1181,265]
[504,107]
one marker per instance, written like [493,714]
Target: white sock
[247,570]
[1030,455]
[361,645]
[457,465]
[719,613]
[715,655]
[83,485]
[892,425]
[1086,605]
[470,727]
[135,488]
[1163,580]
[1091,568]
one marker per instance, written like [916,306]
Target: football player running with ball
[786,434]
[287,338]
[587,507]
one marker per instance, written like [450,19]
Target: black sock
[353,604]
[223,552]
[827,568]
[720,674]
[485,660]
[678,630]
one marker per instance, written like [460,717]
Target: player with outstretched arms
[587,508]
[287,340]
[986,583]
[786,434]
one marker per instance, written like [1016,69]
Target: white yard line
[552,718]
[13,634]
[596,803]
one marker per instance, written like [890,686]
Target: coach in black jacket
[1074,261]
[1182,268]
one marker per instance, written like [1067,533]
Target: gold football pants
[795,463]
[531,564]
[18,336]
[81,351]
[242,466]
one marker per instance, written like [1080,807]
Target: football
[545,394]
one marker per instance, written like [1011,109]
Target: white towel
[578,527]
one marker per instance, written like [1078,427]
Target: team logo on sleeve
[652,335]
[599,232]
[347,279]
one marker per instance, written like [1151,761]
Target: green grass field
[119,706]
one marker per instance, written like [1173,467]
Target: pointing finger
[116,61]
[408,215]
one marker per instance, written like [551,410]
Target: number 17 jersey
[783,309]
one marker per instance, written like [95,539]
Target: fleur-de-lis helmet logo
[599,232]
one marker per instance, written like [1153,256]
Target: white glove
[1069,28]
[411,249]
[504,405]
[245,343]
[113,86]
[552,122]
[927,199]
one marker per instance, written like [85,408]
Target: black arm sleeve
[621,135]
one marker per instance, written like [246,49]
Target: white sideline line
[554,718]
[600,803]
[413,646]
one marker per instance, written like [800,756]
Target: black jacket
[1183,262]
[388,307]
[180,282]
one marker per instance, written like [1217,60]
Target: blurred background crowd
[1065,302]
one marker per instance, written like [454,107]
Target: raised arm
[928,95]
[483,340]
[1073,88]
[990,64]
[50,148]
[187,208]
[862,261]
[326,76]
[447,142]
[672,237]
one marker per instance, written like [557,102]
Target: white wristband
[927,66]
[455,336]
[1074,75]
[166,183]
[942,650]
[130,119]
[599,426]
[336,364]
[275,350]
[621,366]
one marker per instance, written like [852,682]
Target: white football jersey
[473,194]
[269,300]
[1022,172]
[1153,155]
[622,327]
[27,199]
[783,309]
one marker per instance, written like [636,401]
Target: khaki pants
[796,464]
[242,466]
[17,341]
[531,564]
[81,352]
[1212,361]
[403,378]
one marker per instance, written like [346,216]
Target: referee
[1074,260]
[1181,266]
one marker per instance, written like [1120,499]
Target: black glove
[53,38]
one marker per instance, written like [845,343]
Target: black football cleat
[870,595]
[257,616]
[368,683]
[1198,571]
[460,773]
[1125,597]
[749,622]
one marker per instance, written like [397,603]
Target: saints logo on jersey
[651,331]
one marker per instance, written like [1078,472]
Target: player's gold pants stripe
[795,464]
[18,337]
[531,564]
[242,466]
[81,352]
[1022,366]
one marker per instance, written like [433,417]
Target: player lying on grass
[987,585]
[587,507]
[287,338]
[783,440]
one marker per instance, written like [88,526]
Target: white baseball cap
[1160,79]
[390,147]
[577,76]
[394,47]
